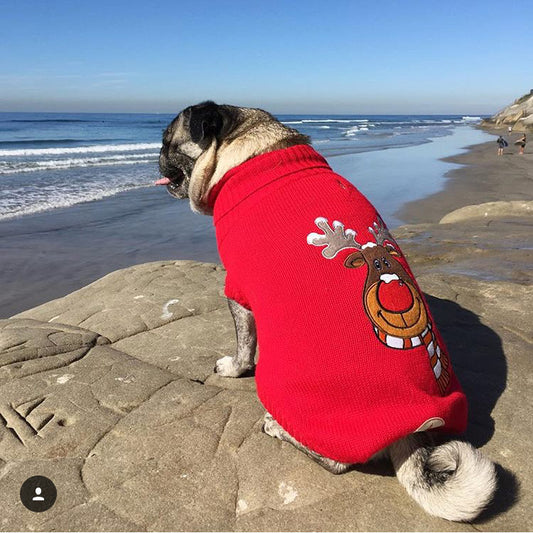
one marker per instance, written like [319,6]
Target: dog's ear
[205,122]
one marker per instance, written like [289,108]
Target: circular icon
[38,494]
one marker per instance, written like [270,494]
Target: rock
[134,300]
[29,346]
[489,211]
[518,115]
[110,393]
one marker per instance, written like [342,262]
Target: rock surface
[489,211]
[110,393]
[518,115]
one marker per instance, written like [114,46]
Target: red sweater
[349,357]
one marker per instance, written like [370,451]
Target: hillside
[518,115]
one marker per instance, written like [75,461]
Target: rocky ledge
[110,393]
[518,115]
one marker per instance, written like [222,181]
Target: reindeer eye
[387,264]
[377,264]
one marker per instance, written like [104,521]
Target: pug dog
[352,366]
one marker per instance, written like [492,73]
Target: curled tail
[454,481]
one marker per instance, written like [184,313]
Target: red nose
[395,296]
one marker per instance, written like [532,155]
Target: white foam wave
[354,130]
[46,200]
[62,164]
[325,120]
[471,119]
[93,149]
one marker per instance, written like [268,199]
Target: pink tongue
[162,181]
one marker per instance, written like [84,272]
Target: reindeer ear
[205,122]
[392,251]
[354,260]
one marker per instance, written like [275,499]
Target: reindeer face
[390,297]
[391,300]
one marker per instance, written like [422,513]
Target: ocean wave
[93,149]
[325,120]
[37,202]
[37,142]
[351,132]
[471,119]
[62,164]
[56,120]
[354,130]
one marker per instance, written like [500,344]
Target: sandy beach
[110,390]
[482,177]
[491,240]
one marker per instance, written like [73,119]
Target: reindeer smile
[394,318]
[406,319]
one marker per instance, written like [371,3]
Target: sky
[300,56]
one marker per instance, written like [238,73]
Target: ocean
[77,199]
[50,161]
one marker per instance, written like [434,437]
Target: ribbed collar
[244,180]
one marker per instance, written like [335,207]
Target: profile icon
[38,497]
[38,494]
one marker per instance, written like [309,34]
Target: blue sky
[288,57]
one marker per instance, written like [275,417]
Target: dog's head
[186,138]
[206,140]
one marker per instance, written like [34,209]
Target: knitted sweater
[349,357]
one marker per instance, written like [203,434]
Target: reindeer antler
[381,234]
[334,240]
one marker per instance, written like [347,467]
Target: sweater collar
[248,177]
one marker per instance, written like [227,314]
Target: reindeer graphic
[391,299]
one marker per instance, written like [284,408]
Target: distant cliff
[519,115]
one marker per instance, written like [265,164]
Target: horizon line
[471,114]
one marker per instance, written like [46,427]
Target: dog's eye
[377,264]
[386,263]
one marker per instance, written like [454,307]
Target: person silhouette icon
[38,497]
[38,494]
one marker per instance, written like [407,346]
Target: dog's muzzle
[175,185]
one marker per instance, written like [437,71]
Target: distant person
[522,143]
[502,143]
[509,130]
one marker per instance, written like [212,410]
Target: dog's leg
[233,367]
[272,428]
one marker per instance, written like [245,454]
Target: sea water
[77,200]
[52,160]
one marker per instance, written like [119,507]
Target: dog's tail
[454,481]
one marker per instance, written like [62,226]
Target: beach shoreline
[481,177]
[51,254]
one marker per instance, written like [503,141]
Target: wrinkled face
[187,137]
[178,155]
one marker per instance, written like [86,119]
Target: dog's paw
[227,368]
[272,428]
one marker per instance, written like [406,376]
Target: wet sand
[490,241]
[483,177]
[49,255]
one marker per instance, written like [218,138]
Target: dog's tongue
[162,181]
